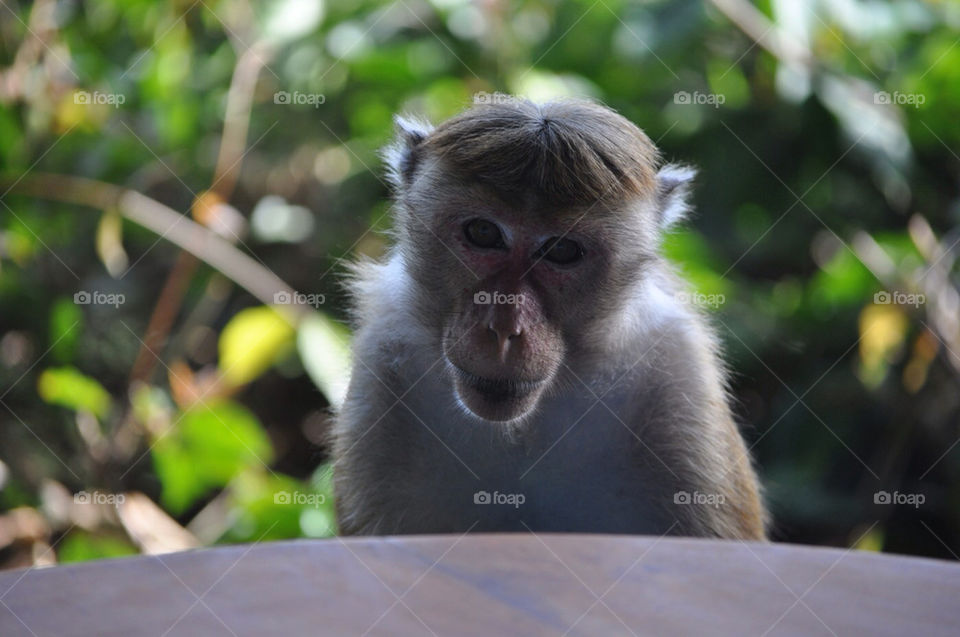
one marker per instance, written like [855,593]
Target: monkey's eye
[483,234]
[561,251]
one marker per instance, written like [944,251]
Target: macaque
[524,357]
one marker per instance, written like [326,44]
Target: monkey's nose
[504,333]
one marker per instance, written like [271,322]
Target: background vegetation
[152,399]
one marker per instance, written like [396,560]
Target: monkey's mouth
[497,399]
[498,388]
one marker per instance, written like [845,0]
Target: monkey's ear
[403,154]
[673,193]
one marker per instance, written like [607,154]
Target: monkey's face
[521,292]
[512,287]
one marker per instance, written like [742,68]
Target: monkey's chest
[583,480]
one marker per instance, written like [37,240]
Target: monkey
[524,360]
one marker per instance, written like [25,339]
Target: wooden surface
[489,585]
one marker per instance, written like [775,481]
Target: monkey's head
[523,228]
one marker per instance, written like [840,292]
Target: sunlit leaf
[110,243]
[251,342]
[871,541]
[209,446]
[883,329]
[843,281]
[67,387]
[324,348]
[174,466]
[80,546]
[227,437]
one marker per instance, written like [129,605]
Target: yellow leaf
[871,541]
[110,243]
[883,329]
[251,342]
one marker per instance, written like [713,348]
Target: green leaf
[692,255]
[226,437]
[843,281]
[11,136]
[66,326]
[81,546]
[272,506]
[67,387]
[19,243]
[728,81]
[211,445]
[176,471]
[324,348]
[251,342]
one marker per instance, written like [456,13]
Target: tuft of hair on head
[402,155]
[569,152]
[674,183]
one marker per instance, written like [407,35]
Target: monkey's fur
[598,398]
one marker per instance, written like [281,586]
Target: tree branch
[176,228]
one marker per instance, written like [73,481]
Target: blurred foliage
[828,178]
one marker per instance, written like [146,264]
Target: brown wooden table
[489,585]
